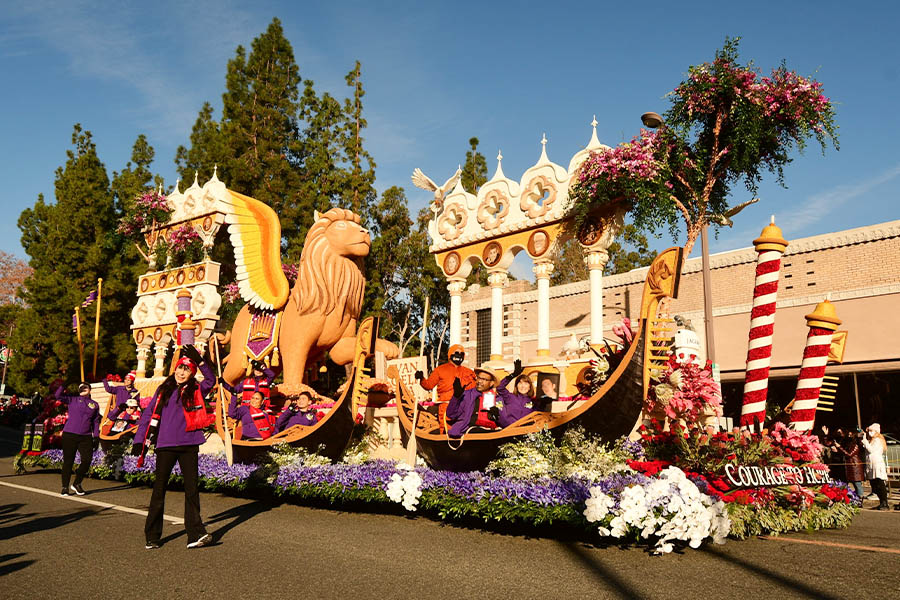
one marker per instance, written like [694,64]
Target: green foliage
[452,507]
[401,273]
[749,520]
[71,244]
[474,173]
[575,455]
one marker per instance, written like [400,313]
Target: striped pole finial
[770,247]
[822,322]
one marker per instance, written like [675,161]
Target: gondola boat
[329,436]
[611,412]
[108,437]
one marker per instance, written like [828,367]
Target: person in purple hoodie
[297,412]
[81,430]
[170,406]
[518,403]
[473,410]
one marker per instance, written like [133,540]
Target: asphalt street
[54,547]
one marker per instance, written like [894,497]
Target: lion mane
[326,278]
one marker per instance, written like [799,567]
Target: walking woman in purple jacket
[81,430]
[171,415]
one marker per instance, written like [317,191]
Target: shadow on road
[238,515]
[603,574]
[40,524]
[6,569]
[760,571]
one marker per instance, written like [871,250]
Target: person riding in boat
[125,417]
[123,393]
[298,412]
[444,377]
[255,421]
[513,405]
[259,381]
[475,409]
[176,417]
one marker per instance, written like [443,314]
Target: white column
[497,279]
[143,353]
[596,260]
[542,271]
[456,287]
[159,352]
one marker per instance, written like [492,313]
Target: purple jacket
[461,412]
[515,405]
[172,426]
[123,395]
[84,414]
[241,412]
[289,418]
[268,375]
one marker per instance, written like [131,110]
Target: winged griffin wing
[255,233]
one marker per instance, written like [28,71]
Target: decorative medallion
[531,203]
[452,263]
[190,275]
[590,231]
[139,336]
[207,223]
[157,334]
[179,278]
[171,280]
[492,254]
[144,285]
[538,243]
[452,222]
[201,273]
[492,209]
[162,281]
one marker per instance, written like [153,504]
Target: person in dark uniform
[173,407]
[81,431]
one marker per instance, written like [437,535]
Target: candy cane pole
[822,322]
[770,246]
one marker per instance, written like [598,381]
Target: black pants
[186,456]
[880,490]
[85,446]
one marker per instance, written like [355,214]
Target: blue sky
[438,73]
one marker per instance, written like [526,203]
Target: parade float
[643,458]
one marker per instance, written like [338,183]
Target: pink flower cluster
[148,209]
[684,391]
[231,293]
[634,159]
[183,237]
[796,445]
[789,98]
[291,272]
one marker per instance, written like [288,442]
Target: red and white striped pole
[770,246]
[822,322]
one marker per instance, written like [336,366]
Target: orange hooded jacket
[443,376]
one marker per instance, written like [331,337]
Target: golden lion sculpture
[295,327]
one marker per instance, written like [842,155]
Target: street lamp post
[654,121]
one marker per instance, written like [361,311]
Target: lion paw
[389,349]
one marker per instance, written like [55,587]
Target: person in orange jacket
[443,377]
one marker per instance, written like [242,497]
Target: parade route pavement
[56,547]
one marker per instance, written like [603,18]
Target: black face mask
[457,358]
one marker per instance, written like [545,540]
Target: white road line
[127,509]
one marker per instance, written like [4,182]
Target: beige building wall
[859,268]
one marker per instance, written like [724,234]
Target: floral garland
[684,391]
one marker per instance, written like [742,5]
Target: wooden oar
[226,435]
[411,446]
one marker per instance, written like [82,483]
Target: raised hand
[517,368]
[419,375]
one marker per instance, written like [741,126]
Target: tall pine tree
[474,173]
[70,245]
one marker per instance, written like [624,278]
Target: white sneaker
[871,496]
[204,540]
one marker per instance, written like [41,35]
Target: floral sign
[774,475]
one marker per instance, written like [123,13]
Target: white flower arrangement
[670,508]
[405,489]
